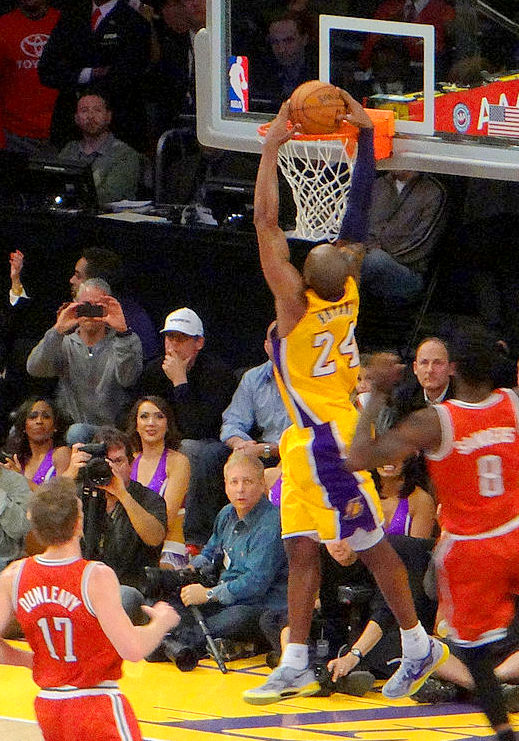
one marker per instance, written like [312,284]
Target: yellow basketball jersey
[317,363]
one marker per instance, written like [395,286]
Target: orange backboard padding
[384,131]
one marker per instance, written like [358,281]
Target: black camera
[96,473]
[163,583]
[4,457]
[87,308]
[357,594]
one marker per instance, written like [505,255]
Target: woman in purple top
[36,442]
[159,466]
[408,509]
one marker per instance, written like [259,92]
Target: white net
[319,173]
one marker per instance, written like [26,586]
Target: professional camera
[358,594]
[97,472]
[163,583]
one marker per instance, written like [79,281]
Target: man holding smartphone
[94,355]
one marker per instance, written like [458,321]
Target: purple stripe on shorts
[342,487]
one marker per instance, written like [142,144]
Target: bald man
[316,364]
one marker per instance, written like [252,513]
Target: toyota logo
[32,46]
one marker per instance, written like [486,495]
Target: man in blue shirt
[246,541]
[256,407]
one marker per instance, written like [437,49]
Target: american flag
[503,121]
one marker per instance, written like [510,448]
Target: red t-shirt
[476,469]
[52,607]
[26,105]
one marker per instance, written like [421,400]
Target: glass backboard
[448,68]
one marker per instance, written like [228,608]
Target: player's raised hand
[355,113]
[280,129]
[385,372]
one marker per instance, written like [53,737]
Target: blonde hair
[240,457]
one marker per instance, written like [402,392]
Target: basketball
[317,106]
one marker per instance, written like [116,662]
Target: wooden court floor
[205,705]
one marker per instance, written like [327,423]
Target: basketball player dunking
[71,614]
[472,446]
[316,364]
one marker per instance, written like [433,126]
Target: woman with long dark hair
[408,508]
[159,466]
[36,442]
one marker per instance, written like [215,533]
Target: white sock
[415,642]
[295,655]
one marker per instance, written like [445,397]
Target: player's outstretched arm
[354,228]
[132,642]
[9,654]
[420,431]
[284,279]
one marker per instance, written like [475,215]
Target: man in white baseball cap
[199,386]
[183,339]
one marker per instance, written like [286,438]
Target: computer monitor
[59,185]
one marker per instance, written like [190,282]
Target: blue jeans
[382,276]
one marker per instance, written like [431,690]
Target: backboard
[452,82]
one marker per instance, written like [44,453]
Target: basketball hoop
[318,168]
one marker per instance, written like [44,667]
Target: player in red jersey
[472,446]
[71,614]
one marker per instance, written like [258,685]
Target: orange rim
[346,131]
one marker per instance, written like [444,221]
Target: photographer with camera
[95,356]
[125,523]
[241,572]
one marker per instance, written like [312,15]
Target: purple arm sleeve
[354,226]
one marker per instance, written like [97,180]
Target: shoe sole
[421,680]
[255,698]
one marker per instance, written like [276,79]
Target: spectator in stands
[96,262]
[116,167]
[14,525]
[256,409]
[104,47]
[199,386]
[429,383]
[37,442]
[126,527]
[407,218]
[25,103]
[96,364]
[171,80]
[291,63]
[253,575]
[408,508]
[159,466]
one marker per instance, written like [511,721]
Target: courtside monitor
[59,185]
[449,71]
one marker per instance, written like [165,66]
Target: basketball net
[319,174]
[318,168]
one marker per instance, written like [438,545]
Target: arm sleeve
[14,497]
[46,359]
[128,364]
[354,226]
[238,418]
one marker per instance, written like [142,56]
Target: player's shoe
[412,673]
[284,683]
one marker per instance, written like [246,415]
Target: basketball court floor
[206,705]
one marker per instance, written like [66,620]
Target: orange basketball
[317,106]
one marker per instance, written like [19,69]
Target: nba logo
[238,84]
